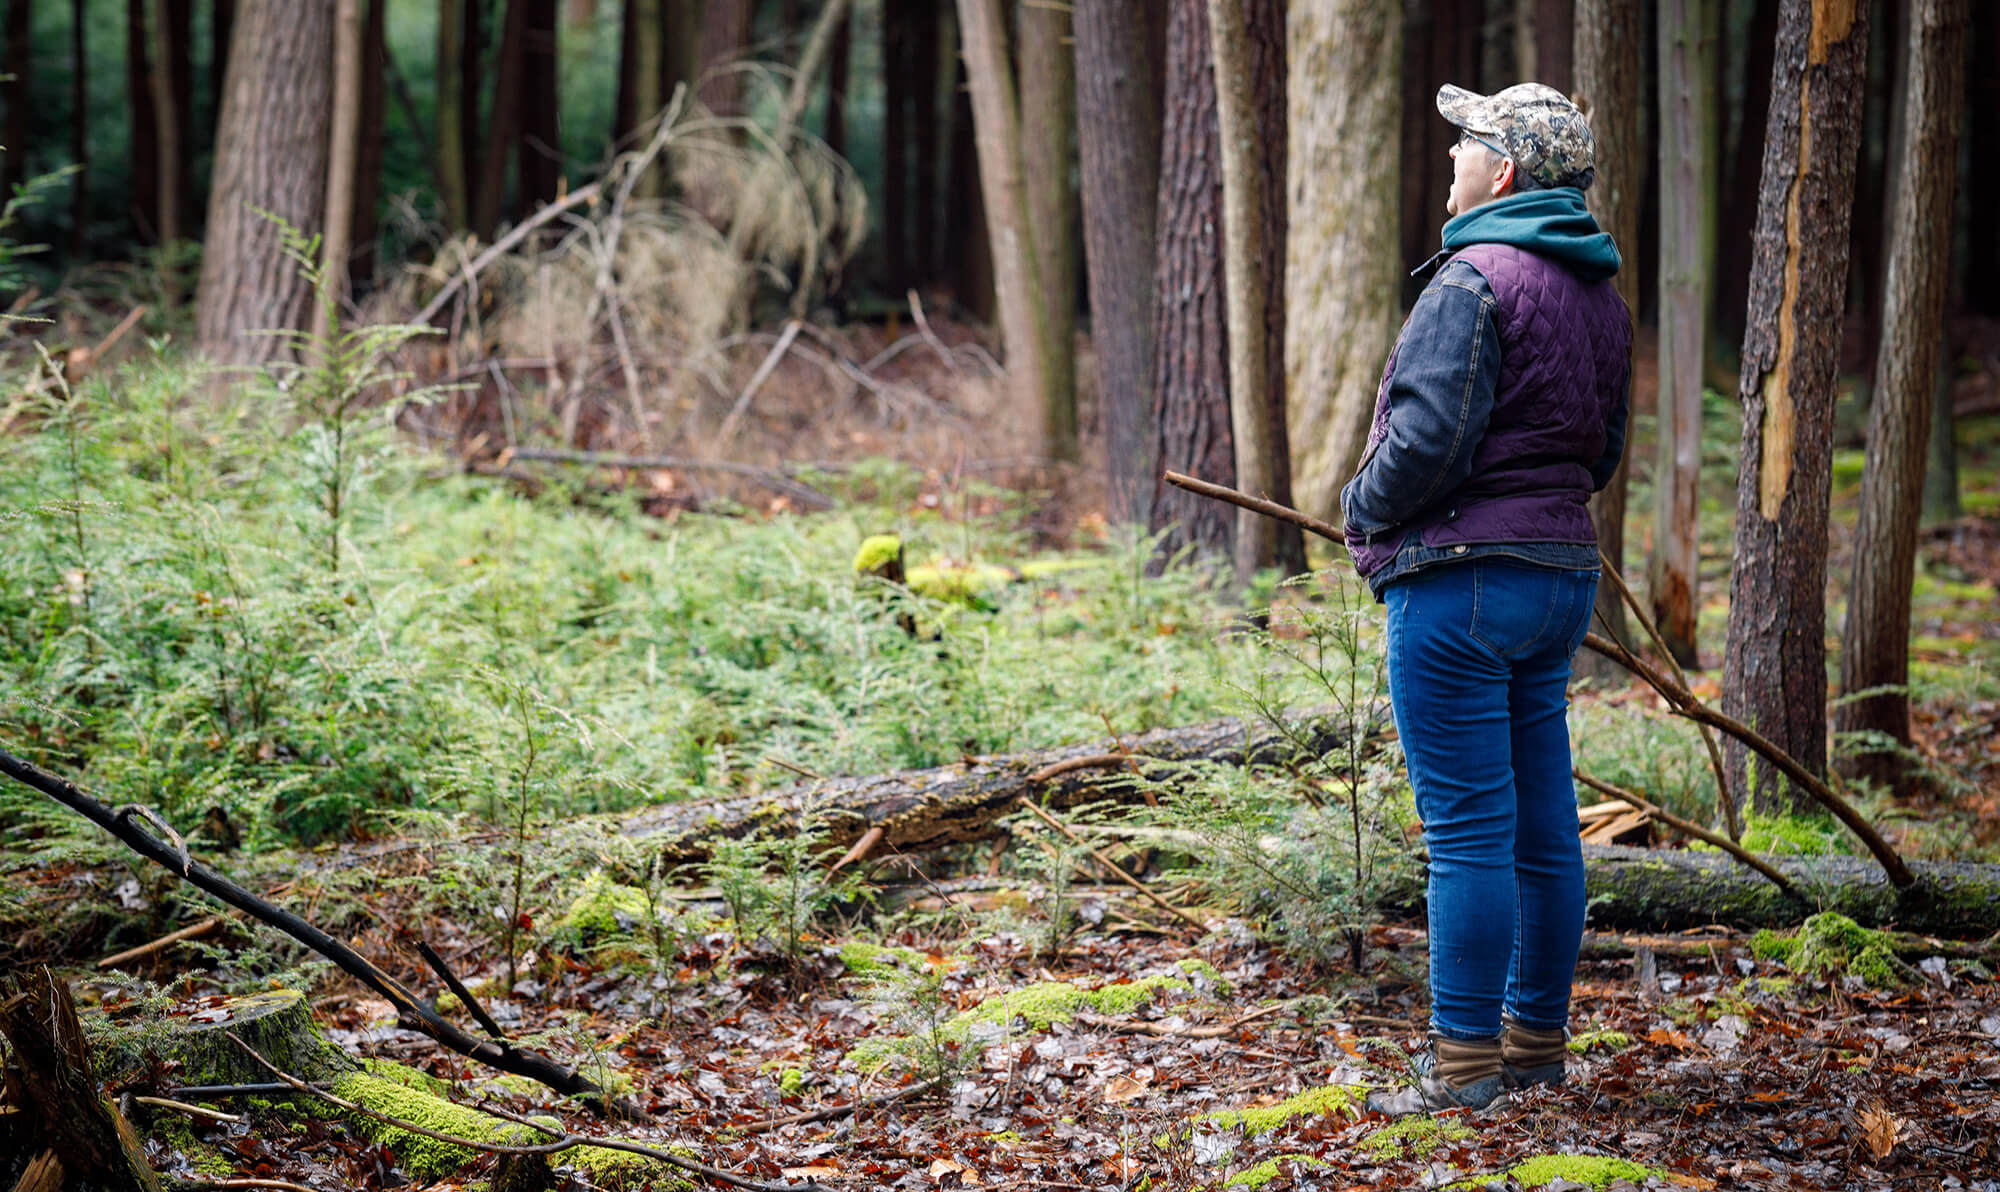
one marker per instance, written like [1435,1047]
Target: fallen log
[924,809]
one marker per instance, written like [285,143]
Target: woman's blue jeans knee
[1479,667]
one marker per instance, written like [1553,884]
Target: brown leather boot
[1452,1074]
[1529,1056]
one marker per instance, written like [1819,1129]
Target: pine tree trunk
[835,132]
[934,55]
[1024,324]
[1736,214]
[503,128]
[725,36]
[452,172]
[1608,70]
[1774,672]
[538,148]
[1341,277]
[643,68]
[166,123]
[897,94]
[17,88]
[1982,285]
[343,150]
[368,163]
[1118,49]
[1941,503]
[1190,340]
[1440,45]
[1270,73]
[79,132]
[1875,643]
[1048,156]
[144,124]
[271,155]
[1688,30]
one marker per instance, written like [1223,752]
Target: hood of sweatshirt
[1550,223]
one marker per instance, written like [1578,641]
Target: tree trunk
[1688,31]
[1982,284]
[1875,643]
[79,132]
[1190,341]
[1608,70]
[1941,503]
[897,94]
[368,164]
[1774,672]
[835,130]
[167,123]
[1048,157]
[1542,42]
[1118,82]
[221,25]
[1736,215]
[538,148]
[1024,323]
[509,117]
[18,88]
[1269,75]
[1874,185]
[343,150]
[1341,280]
[271,156]
[725,36]
[1440,45]
[452,171]
[96,1147]
[144,124]
[642,69]
[935,59]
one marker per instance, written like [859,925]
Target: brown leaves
[1879,1130]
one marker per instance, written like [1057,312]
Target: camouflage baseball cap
[1545,134]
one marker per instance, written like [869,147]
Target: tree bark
[642,69]
[272,156]
[509,117]
[538,147]
[79,132]
[1341,279]
[1440,45]
[452,171]
[1024,323]
[1118,82]
[18,88]
[1941,503]
[897,95]
[1608,68]
[168,121]
[1190,340]
[1688,112]
[1875,643]
[834,132]
[368,162]
[1736,213]
[343,150]
[95,1145]
[143,123]
[934,60]
[1774,671]
[1048,156]
[725,35]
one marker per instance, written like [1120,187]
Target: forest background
[470,412]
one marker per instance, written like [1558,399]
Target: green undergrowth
[1263,1173]
[1344,1100]
[1416,1136]
[269,630]
[1594,1171]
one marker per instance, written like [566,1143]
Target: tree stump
[277,1023]
[71,1135]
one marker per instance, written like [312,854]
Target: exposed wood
[1692,829]
[94,1144]
[1774,669]
[193,931]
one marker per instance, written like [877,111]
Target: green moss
[1265,1172]
[173,1129]
[1195,966]
[594,914]
[1795,836]
[792,1081]
[1600,1041]
[1049,568]
[1040,1006]
[875,960]
[1830,945]
[876,553]
[408,1077]
[1595,1170]
[1314,1102]
[964,583]
[1417,1136]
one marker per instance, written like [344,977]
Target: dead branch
[192,932]
[1695,830]
[836,1111]
[413,1012]
[459,991]
[500,247]
[807,496]
[1111,867]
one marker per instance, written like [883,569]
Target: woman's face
[1475,174]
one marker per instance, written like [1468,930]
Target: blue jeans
[1479,666]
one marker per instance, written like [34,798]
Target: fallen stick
[459,991]
[503,1056]
[193,931]
[834,1111]
[1216,1030]
[520,232]
[1111,866]
[191,1110]
[1695,830]
[757,379]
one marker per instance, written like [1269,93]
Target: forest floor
[1699,1062]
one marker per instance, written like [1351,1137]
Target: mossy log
[1659,890]
[68,1122]
[922,809]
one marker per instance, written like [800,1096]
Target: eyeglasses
[1466,135]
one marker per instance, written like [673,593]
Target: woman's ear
[1503,182]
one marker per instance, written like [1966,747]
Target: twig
[191,1110]
[1683,701]
[505,1057]
[1056,769]
[794,767]
[757,379]
[861,849]
[193,931]
[930,337]
[829,1112]
[286,1185]
[1217,1030]
[520,232]
[463,994]
[1723,794]
[807,496]
[1110,866]
[1671,820]
[562,1141]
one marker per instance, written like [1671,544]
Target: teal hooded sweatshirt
[1550,223]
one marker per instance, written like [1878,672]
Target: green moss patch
[1415,1136]
[1313,1102]
[1040,1006]
[1795,836]
[875,960]
[876,553]
[1831,945]
[1595,1170]
[1599,1041]
[962,583]
[1265,1172]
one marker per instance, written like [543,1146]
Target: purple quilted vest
[1565,360]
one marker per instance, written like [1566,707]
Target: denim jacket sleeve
[1614,439]
[1440,400]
